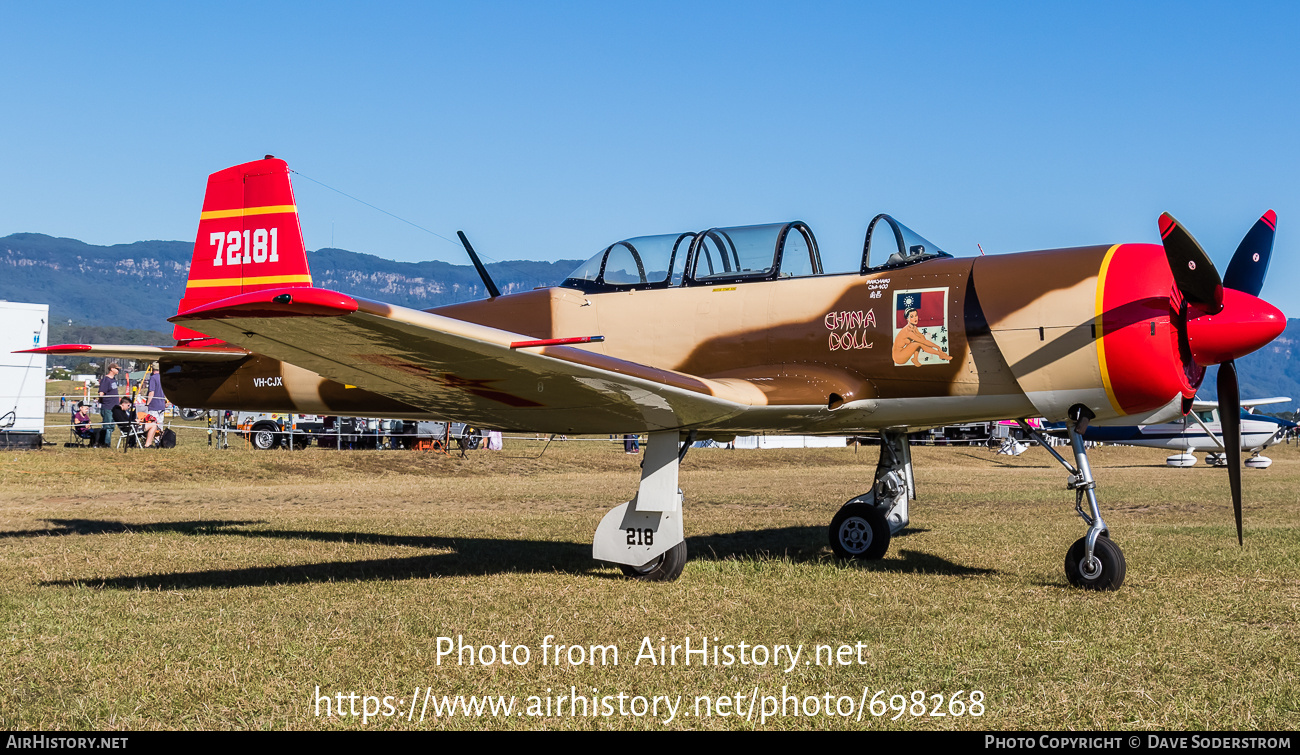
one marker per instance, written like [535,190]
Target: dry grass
[216,589]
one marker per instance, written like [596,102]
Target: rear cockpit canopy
[634,264]
[718,255]
[737,254]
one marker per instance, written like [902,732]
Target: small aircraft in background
[1199,430]
[726,331]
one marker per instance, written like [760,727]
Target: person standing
[155,403]
[108,398]
[154,393]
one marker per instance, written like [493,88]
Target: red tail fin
[249,237]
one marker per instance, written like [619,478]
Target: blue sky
[548,130]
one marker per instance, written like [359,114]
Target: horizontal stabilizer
[148,353]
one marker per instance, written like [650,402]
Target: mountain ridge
[137,285]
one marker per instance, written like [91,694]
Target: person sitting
[152,426]
[81,423]
[124,417]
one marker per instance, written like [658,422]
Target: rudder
[249,237]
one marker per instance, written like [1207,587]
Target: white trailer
[22,376]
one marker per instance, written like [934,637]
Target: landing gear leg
[863,527]
[644,536]
[1094,562]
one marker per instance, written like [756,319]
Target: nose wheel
[1104,572]
[1093,562]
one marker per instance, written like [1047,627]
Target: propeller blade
[1194,273]
[1250,262]
[1230,419]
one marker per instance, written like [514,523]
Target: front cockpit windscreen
[799,257]
[890,243]
[631,264]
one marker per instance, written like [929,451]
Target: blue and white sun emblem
[908,301]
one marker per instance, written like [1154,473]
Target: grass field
[194,588]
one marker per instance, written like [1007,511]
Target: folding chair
[80,436]
[76,439]
[130,435]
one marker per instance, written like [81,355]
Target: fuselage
[912,345]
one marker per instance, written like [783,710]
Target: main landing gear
[1094,562]
[644,536]
[863,527]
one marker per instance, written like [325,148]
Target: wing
[1263,401]
[475,373]
[1200,405]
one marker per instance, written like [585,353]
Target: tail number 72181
[248,246]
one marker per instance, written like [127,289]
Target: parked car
[267,430]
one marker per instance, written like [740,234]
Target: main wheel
[666,568]
[264,438]
[1109,574]
[859,530]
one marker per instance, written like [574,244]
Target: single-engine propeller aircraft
[724,331]
[1199,430]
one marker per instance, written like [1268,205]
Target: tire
[1108,553]
[265,437]
[859,531]
[193,414]
[666,568]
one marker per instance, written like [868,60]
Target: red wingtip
[1167,224]
[63,348]
[1270,218]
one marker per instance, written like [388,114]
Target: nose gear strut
[1094,562]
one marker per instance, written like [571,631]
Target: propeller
[1230,421]
[1221,319]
